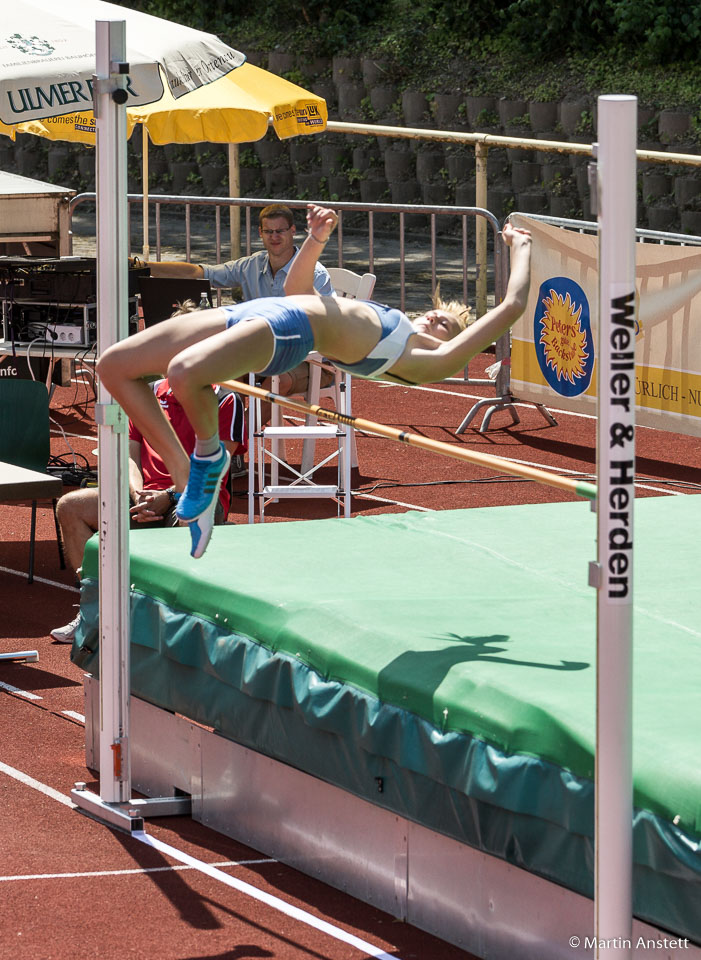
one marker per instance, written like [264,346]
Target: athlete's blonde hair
[462,313]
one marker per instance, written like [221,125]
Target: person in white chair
[272,335]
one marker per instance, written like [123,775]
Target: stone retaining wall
[339,167]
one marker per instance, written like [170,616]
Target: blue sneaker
[198,503]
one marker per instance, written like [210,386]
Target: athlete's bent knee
[177,373]
[109,365]
[77,503]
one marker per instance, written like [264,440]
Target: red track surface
[153,911]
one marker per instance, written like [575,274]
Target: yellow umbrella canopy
[236,108]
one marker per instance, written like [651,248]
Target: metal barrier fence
[466,266]
[642,234]
[411,267]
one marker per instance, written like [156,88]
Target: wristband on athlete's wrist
[322,242]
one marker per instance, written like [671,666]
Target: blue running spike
[199,500]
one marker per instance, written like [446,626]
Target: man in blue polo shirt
[263,273]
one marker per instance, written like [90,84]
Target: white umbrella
[46,83]
[47,57]
[51,63]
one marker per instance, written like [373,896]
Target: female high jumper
[210,346]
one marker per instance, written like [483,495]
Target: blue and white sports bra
[396,330]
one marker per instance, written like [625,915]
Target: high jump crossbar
[581,488]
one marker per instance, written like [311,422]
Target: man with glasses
[262,274]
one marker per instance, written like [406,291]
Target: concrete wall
[339,167]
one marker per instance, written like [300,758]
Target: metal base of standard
[21,656]
[130,815]
[502,403]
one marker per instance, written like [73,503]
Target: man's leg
[77,514]
[286,383]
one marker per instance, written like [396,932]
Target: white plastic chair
[348,284]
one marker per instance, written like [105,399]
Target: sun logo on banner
[563,339]
[562,336]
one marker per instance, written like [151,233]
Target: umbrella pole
[234,191]
[146,250]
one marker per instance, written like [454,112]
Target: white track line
[36,785]
[20,693]
[645,485]
[51,583]
[125,873]
[642,483]
[398,503]
[516,403]
[368,949]
[76,436]
[73,715]
[478,396]
[445,393]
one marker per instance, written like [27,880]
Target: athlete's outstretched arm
[454,354]
[321,222]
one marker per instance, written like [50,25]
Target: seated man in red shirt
[150,486]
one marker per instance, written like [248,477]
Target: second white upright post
[616,184]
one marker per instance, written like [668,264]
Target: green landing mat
[456,645]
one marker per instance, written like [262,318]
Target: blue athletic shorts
[288,324]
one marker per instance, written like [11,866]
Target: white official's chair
[270,441]
[348,284]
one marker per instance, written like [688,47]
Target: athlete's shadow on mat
[432,666]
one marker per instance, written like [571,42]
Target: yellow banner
[656,389]
[554,344]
